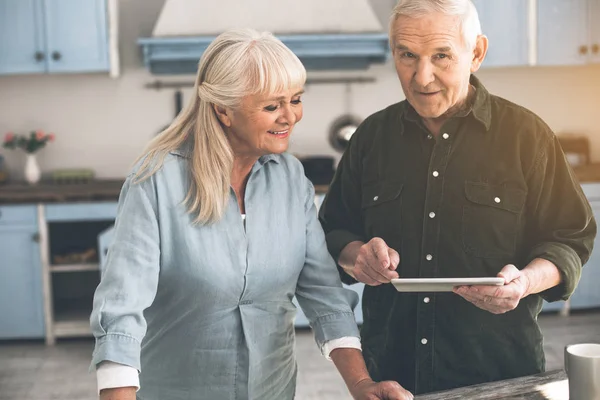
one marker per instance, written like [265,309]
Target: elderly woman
[216,233]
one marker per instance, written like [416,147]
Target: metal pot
[341,131]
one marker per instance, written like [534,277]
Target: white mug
[582,363]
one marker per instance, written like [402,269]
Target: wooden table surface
[551,385]
[48,192]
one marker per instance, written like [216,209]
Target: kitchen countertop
[551,385]
[588,173]
[48,192]
[109,189]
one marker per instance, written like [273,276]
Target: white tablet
[441,284]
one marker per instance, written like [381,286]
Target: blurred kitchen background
[105,76]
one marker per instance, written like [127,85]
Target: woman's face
[263,123]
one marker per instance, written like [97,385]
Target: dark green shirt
[493,189]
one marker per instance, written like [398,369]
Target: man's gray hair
[464,9]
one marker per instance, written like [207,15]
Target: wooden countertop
[109,189]
[48,192]
[551,385]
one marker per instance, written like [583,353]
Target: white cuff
[114,375]
[347,342]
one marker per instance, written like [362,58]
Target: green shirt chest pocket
[382,209]
[491,219]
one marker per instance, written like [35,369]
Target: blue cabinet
[53,36]
[21,300]
[76,35]
[22,41]
[587,294]
[506,24]
[564,32]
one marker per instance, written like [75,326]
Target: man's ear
[223,114]
[479,52]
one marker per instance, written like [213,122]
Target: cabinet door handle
[35,237]
[595,48]
[583,50]
[56,55]
[39,56]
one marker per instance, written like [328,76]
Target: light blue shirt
[205,311]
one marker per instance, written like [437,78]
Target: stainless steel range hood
[325,34]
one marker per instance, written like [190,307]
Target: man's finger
[380,251]
[366,279]
[394,258]
[376,271]
[509,273]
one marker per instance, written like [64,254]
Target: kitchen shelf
[74,267]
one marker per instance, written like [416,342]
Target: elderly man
[454,182]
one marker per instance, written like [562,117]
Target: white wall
[104,123]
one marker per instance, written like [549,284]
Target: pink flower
[51,137]
[40,135]
[9,137]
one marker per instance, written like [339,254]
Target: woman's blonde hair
[236,64]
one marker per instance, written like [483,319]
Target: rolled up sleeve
[129,278]
[562,227]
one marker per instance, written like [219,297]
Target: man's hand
[387,390]
[375,263]
[498,299]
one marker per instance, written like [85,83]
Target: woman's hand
[386,390]
[122,393]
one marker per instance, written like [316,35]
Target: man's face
[433,63]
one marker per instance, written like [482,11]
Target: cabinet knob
[39,56]
[595,48]
[56,55]
[583,50]
[35,237]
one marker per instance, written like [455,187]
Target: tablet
[441,284]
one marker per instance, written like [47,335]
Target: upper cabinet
[22,39]
[76,35]
[506,24]
[53,36]
[565,35]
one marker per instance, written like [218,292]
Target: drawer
[18,215]
[71,212]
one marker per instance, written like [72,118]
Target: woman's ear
[223,114]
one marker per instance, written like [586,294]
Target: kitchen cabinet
[53,36]
[21,300]
[565,34]
[70,282]
[506,24]
[22,43]
[587,294]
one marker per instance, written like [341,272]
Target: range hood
[324,34]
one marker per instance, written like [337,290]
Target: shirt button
[424,341]
[436,174]
[497,199]
[430,136]
[375,198]
[426,300]
[431,215]
[445,136]
[428,257]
